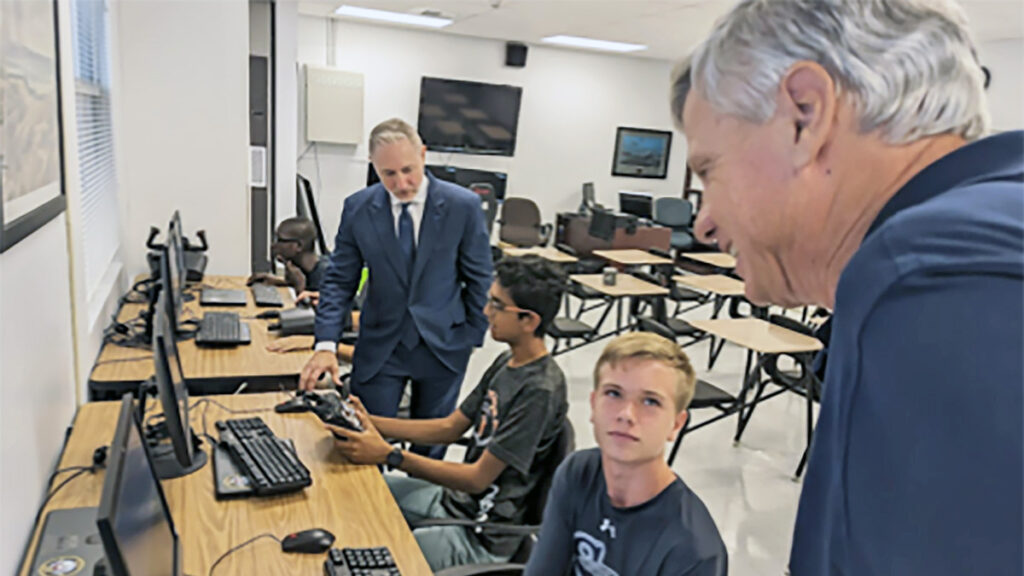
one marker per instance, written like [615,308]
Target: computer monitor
[305,206]
[166,299]
[602,225]
[636,203]
[176,260]
[133,519]
[178,458]
[588,194]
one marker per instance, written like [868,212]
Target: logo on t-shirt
[487,422]
[588,557]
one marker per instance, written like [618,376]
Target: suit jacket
[445,295]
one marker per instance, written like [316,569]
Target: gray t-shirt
[517,414]
[671,534]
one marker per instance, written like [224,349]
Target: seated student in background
[618,509]
[516,413]
[345,351]
[294,246]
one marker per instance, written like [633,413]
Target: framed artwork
[641,153]
[31,162]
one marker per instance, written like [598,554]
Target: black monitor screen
[133,519]
[176,262]
[305,206]
[471,117]
[465,177]
[639,205]
[171,387]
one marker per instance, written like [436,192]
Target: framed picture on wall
[31,162]
[641,153]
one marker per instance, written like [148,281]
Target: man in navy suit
[427,249]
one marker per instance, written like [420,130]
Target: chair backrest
[565,444]
[673,212]
[520,222]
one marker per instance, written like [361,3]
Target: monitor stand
[165,462]
[161,452]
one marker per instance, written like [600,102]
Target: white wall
[286,22]
[183,124]
[571,105]
[1005,59]
[37,397]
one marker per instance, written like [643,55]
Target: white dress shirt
[416,207]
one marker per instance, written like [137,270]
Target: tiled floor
[749,488]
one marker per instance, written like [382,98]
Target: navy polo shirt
[916,466]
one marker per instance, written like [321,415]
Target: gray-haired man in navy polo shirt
[843,152]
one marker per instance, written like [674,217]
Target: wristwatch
[395,458]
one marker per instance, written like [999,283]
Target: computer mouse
[315,541]
[293,405]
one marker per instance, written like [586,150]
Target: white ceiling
[670,28]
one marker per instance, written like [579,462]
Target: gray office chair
[521,225]
[488,201]
[677,214]
[565,444]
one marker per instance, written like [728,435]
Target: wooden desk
[119,368]
[631,257]
[715,283]
[759,335]
[546,252]
[352,502]
[625,285]
[716,259]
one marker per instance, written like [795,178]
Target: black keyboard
[219,328]
[265,296]
[360,562]
[268,461]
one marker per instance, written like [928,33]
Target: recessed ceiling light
[593,44]
[394,17]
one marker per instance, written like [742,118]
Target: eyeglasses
[499,306]
[280,240]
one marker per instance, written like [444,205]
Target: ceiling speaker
[515,54]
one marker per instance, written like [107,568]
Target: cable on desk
[240,546]
[120,360]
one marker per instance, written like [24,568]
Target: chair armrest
[492,527]
[545,233]
[483,570]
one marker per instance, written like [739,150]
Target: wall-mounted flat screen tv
[469,117]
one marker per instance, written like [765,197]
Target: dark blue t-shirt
[916,466]
[583,534]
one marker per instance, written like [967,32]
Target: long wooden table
[631,257]
[719,260]
[120,368]
[546,252]
[352,502]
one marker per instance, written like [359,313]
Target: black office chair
[678,326]
[585,294]
[565,444]
[705,395]
[677,294]
[801,380]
